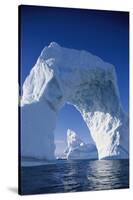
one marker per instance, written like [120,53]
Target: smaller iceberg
[77,149]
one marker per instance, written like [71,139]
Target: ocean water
[72,176]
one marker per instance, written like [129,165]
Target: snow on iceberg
[77,149]
[63,75]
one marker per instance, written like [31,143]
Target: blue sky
[103,33]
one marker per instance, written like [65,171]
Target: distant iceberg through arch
[78,149]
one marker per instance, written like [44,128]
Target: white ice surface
[63,75]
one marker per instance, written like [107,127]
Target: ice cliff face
[61,76]
[77,149]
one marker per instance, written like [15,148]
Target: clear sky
[103,33]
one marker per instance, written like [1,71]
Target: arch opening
[70,118]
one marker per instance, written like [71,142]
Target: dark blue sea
[72,176]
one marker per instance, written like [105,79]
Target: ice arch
[63,75]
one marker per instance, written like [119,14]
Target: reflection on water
[80,175]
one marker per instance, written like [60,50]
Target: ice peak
[72,138]
[70,133]
[54,44]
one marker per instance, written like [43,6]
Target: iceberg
[77,149]
[77,77]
